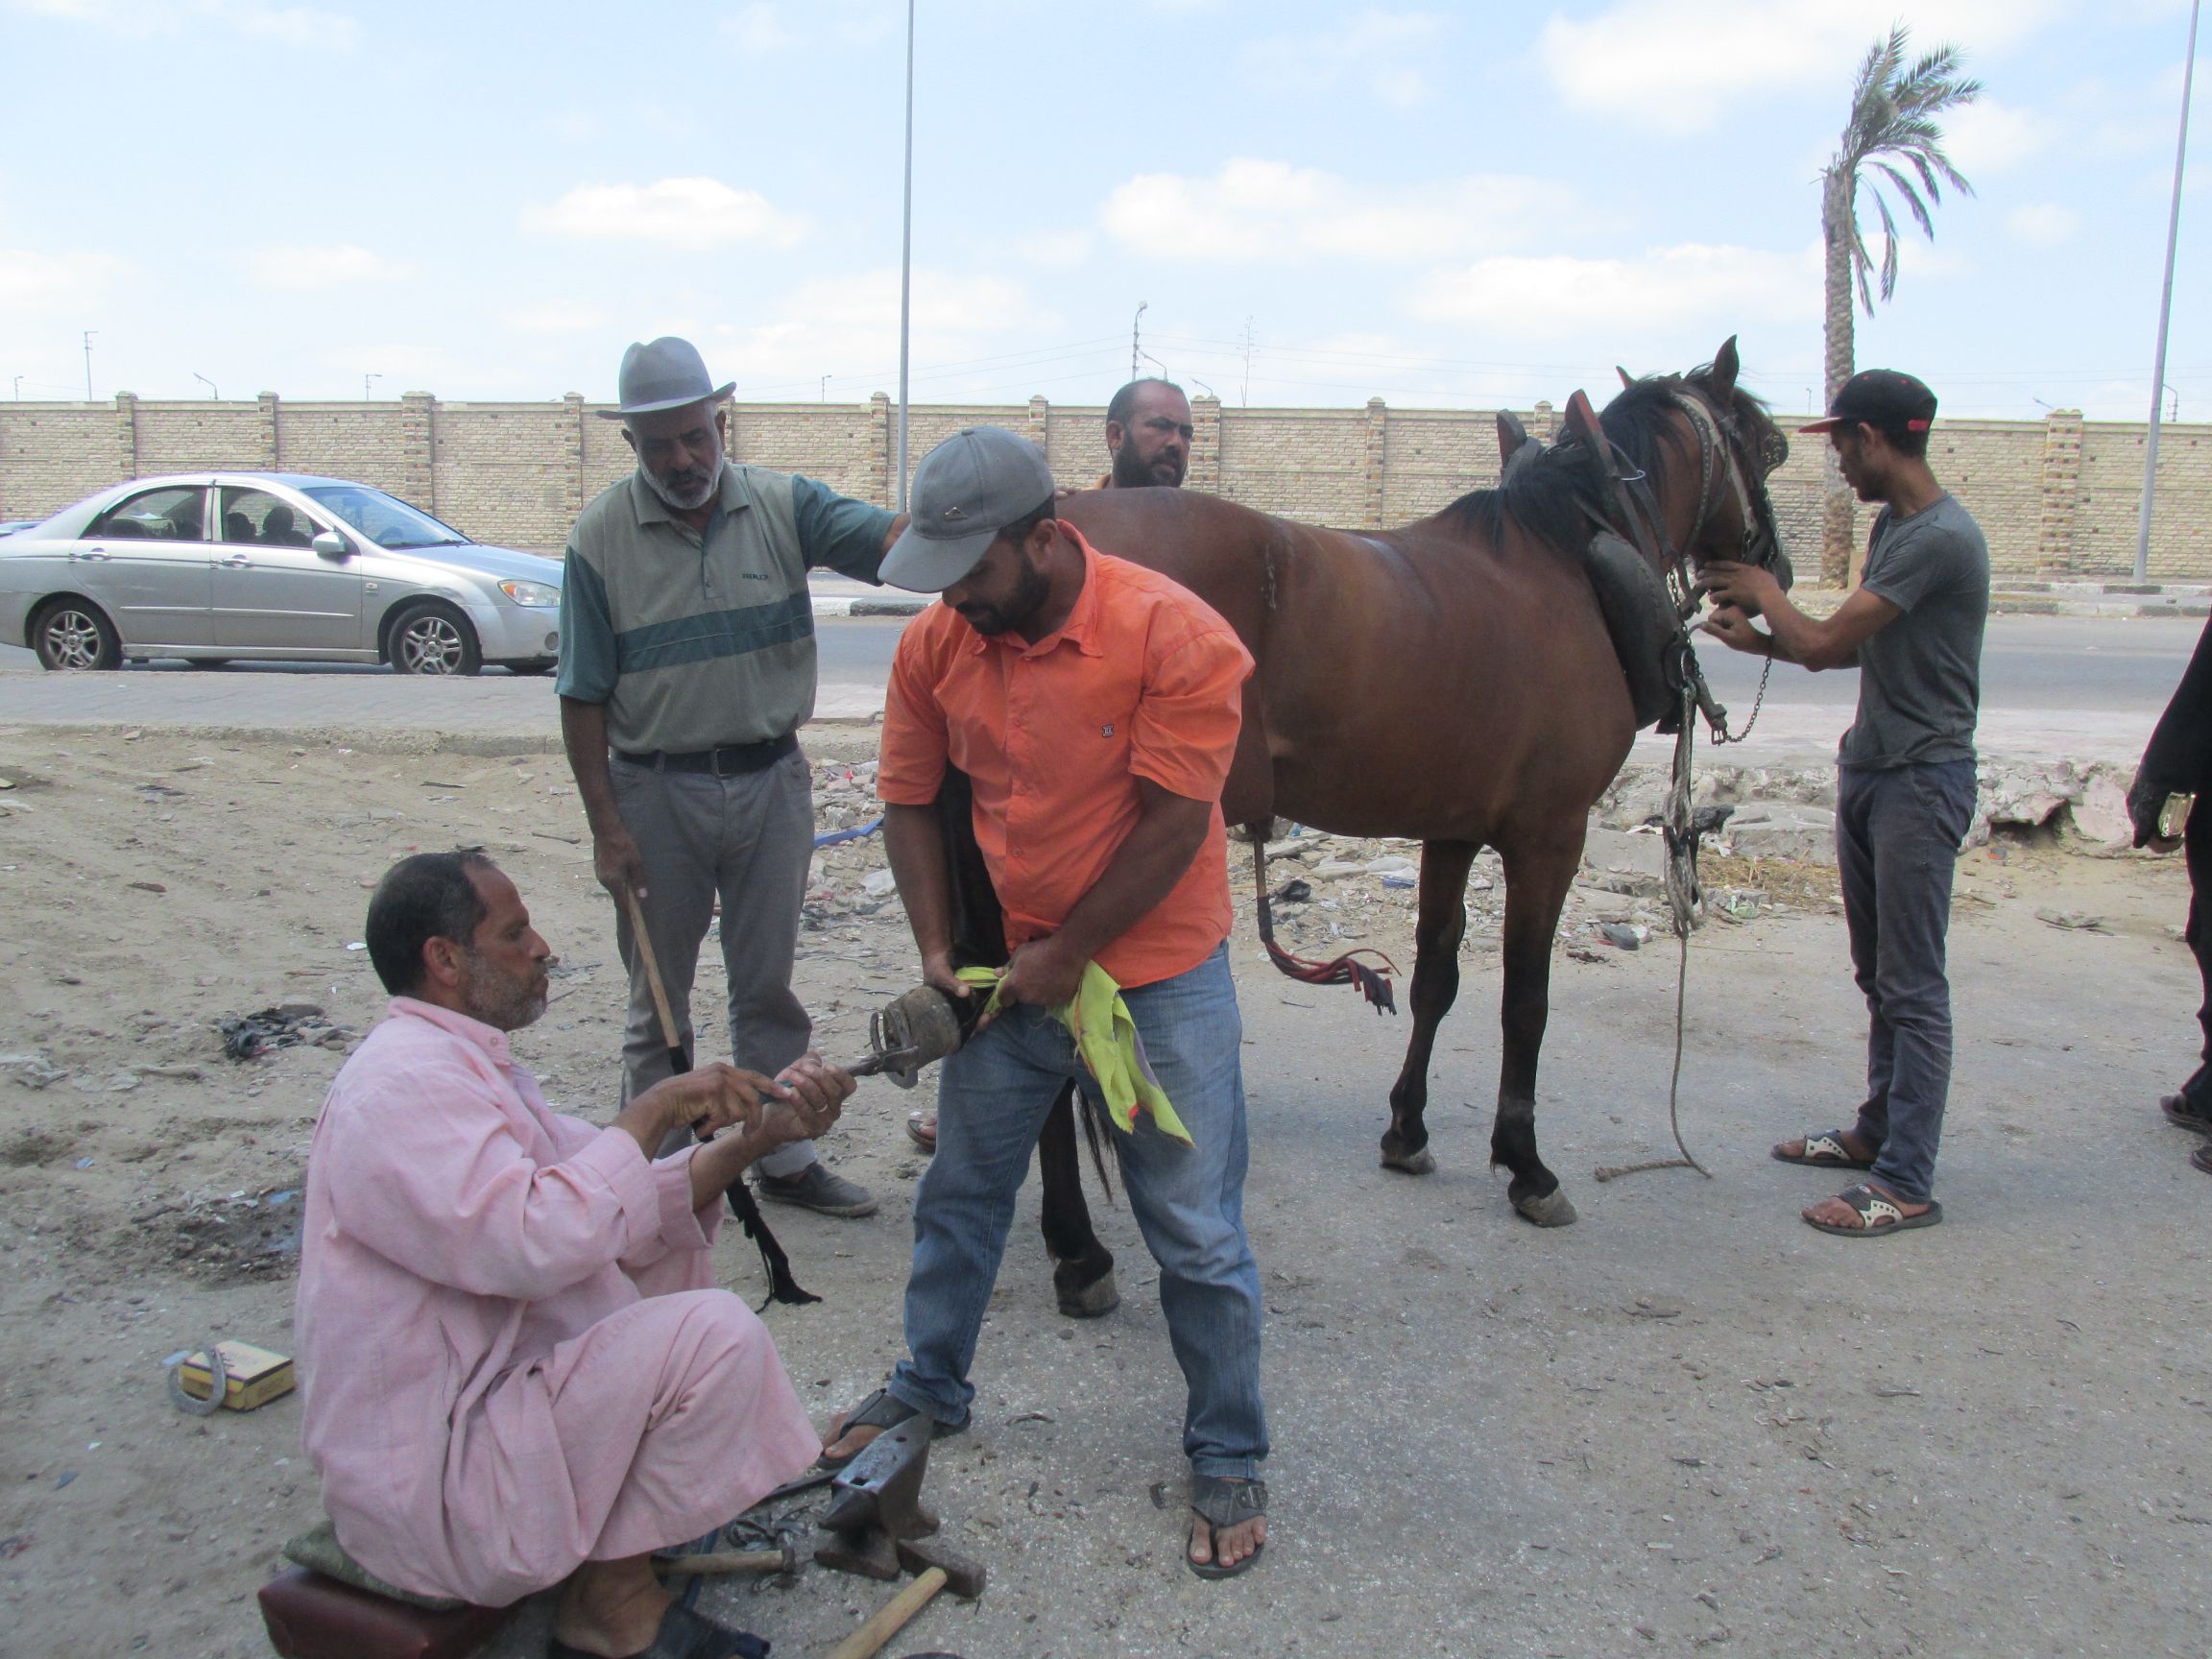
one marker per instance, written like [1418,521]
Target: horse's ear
[1511,435]
[1627,380]
[1726,366]
[1581,422]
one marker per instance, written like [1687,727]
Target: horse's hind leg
[1536,883]
[1082,1267]
[1437,937]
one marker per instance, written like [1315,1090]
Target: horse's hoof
[1420,1162]
[1554,1210]
[1092,1301]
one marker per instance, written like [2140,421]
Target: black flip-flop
[682,1635]
[2179,1114]
[1871,1205]
[1824,1149]
[1222,1504]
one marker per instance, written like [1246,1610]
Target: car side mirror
[331,545]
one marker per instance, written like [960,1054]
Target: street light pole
[88,334]
[366,394]
[906,259]
[1143,306]
[209,384]
[2165,312]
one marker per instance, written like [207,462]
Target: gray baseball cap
[966,491]
[664,373]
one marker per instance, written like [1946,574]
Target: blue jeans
[992,1100]
[1897,837]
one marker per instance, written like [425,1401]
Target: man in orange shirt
[1093,706]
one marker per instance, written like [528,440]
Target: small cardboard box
[256,1376]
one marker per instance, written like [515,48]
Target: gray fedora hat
[665,373]
[966,491]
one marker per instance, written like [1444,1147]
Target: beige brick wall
[2057,497]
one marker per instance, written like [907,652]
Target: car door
[144,562]
[273,590]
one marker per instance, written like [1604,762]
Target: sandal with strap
[1823,1149]
[1222,1504]
[881,1409]
[684,1635]
[1878,1216]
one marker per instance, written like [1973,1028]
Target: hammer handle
[891,1618]
[730,1561]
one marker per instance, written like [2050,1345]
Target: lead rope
[1682,903]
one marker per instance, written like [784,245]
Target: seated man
[514,1369]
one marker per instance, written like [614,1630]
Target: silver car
[272,566]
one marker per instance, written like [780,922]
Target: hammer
[936,1567]
[784,1561]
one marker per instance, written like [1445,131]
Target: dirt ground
[1688,1424]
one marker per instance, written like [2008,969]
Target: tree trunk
[1838,190]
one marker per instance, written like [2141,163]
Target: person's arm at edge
[833,531]
[614,857]
[915,845]
[1817,643]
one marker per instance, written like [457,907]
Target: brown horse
[1452,681]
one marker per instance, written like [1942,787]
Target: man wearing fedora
[1904,781]
[686,668]
[1093,706]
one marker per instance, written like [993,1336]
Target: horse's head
[1706,445]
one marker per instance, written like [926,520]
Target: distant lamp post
[2165,311]
[907,258]
[366,380]
[88,334]
[209,384]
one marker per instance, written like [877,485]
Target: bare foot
[1225,1546]
[1838,1212]
[612,1608]
[847,1443]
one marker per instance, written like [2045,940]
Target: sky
[1445,206]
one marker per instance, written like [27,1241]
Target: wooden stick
[727,1561]
[891,1618]
[653,977]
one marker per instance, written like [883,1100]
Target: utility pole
[366,394]
[1251,339]
[18,388]
[825,389]
[88,334]
[209,384]
[1142,306]
[2165,312]
[906,259]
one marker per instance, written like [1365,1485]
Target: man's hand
[1734,630]
[1044,971]
[814,1099]
[938,972]
[1748,588]
[617,863]
[711,1098]
[2146,806]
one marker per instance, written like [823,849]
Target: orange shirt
[1141,681]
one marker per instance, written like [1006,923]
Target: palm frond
[1913,202]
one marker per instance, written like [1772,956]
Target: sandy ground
[1688,1424]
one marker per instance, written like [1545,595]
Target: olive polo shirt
[700,642]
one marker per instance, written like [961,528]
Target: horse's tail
[1345,970]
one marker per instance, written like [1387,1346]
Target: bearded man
[1148,433]
[686,668]
[515,1368]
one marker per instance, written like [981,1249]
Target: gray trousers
[748,839]
[1897,835]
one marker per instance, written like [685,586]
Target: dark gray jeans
[1897,835]
[746,840]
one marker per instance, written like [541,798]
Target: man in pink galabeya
[516,1369]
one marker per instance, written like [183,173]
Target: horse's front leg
[1437,937]
[1536,883]
[1082,1267]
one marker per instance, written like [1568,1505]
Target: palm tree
[1892,126]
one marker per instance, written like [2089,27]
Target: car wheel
[432,639]
[75,634]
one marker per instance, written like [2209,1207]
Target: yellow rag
[1106,1037]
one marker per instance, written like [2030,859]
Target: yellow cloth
[1106,1037]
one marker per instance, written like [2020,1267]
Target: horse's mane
[1545,495]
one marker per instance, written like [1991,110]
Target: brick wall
[2057,497]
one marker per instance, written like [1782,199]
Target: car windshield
[385,519]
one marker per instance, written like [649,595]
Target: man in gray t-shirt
[1904,781]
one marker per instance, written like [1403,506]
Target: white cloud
[1678,64]
[1558,296]
[339,265]
[257,19]
[1271,211]
[2043,224]
[757,28]
[1986,136]
[695,212]
[556,317]
[44,282]
[1382,51]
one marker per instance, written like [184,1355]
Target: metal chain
[1720,734]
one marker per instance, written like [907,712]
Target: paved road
[2078,688]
